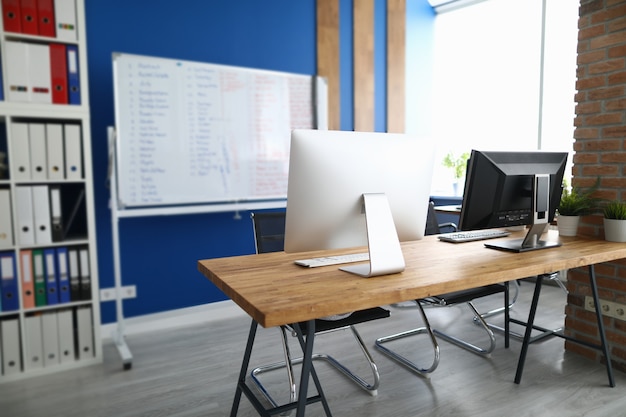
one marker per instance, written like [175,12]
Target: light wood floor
[192,371]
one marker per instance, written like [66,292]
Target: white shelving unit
[69,328]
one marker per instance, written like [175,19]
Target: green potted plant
[615,221]
[458,164]
[574,203]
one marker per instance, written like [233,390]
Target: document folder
[74,274]
[85,333]
[63,275]
[28,9]
[6,222]
[50,336]
[52,276]
[45,17]
[73,156]
[41,214]
[33,344]
[11,16]
[58,73]
[16,61]
[66,336]
[25,222]
[65,13]
[56,214]
[38,156]
[85,275]
[73,75]
[8,273]
[39,277]
[56,153]
[10,332]
[20,151]
[39,73]
[28,283]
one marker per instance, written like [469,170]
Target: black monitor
[505,189]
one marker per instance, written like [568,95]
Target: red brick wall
[600,151]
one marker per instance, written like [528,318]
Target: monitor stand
[541,206]
[383,244]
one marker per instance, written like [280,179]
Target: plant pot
[567,225]
[615,230]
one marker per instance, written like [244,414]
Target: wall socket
[608,308]
[109,294]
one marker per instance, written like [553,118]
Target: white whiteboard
[193,133]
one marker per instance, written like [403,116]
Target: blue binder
[8,273]
[63,275]
[73,75]
[52,276]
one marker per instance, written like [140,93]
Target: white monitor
[338,178]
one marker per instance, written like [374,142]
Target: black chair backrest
[269,231]
[432,226]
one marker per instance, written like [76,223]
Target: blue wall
[159,254]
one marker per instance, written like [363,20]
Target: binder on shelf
[38,154]
[24,205]
[50,336]
[56,214]
[58,73]
[85,333]
[8,275]
[56,154]
[17,76]
[65,13]
[28,283]
[39,277]
[74,274]
[39,73]
[10,338]
[66,336]
[20,152]
[11,16]
[52,276]
[73,154]
[45,17]
[63,275]
[41,214]
[74,211]
[85,274]
[6,222]
[1,83]
[33,343]
[73,75]
[28,10]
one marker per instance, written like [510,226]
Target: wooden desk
[274,291]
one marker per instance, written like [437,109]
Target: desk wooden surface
[274,291]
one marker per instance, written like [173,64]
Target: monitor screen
[504,189]
[331,171]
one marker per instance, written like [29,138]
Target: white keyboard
[333,260]
[459,237]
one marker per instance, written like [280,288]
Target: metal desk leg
[507,324]
[529,329]
[244,369]
[603,344]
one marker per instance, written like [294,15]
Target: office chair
[449,299]
[269,229]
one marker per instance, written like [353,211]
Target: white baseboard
[175,318]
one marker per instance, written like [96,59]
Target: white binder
[38,153]
[39,77]
[50,335]
[11,363]
[33,346]
[25,222]
[16,62]
[20,151]
[56,157]
[66,336]
[73,156]
[41,214]
[85,333]
[65,15]
[6,223]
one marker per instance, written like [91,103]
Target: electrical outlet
[129,291]
[107,294]
[110,294]
[608,308]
